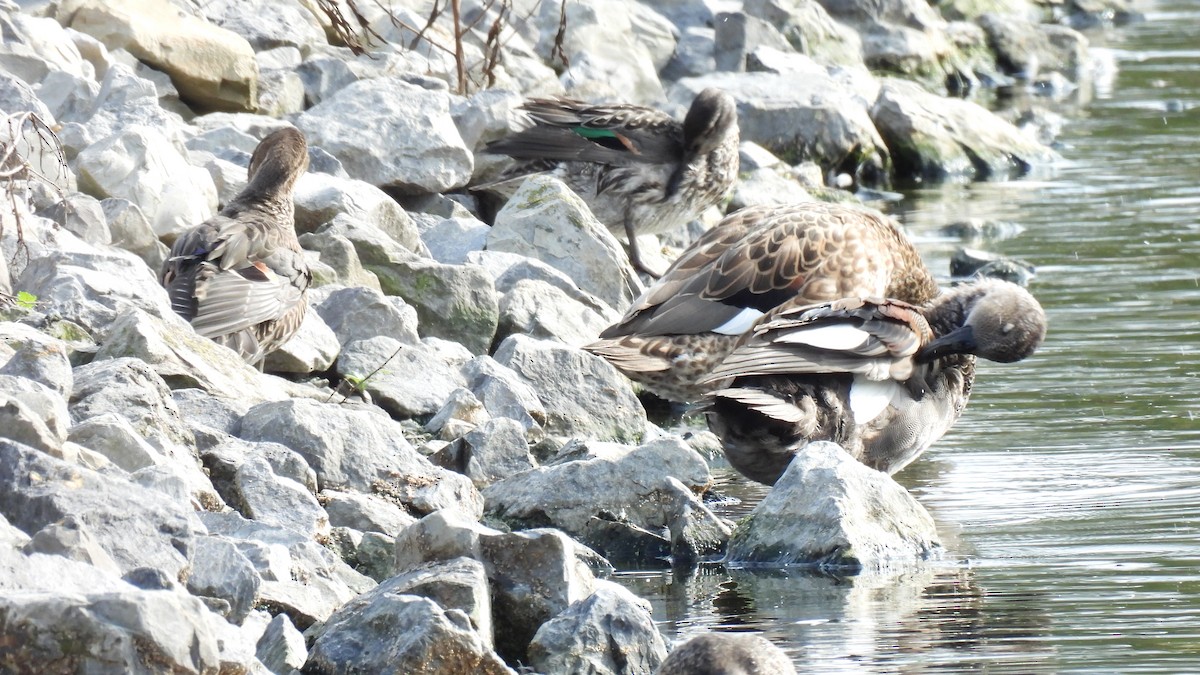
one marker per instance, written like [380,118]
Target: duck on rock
[639,170]
[882,378]
[240,277]
[753,261]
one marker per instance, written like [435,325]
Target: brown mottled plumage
[752,262]
[882,378]
[240,277]
[639,170]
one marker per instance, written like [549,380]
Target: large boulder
[830,511]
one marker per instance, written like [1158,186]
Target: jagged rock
[359,313]
[830,511]
[209,65]
[220,570]
[494,451]
[392,633]
[268,24]
[809,29]
[366,513]
[135,526]
[339,253]
[1026,49]
[504,393]
[594,479]
[320,198]
[451,240]
[737,33]
[408,381]
[114,437]
[300,577]
[541,310]
[129,388]
[80,214]
[583,394]
[935,138]
[281,647]
[35,47]
[198,408]
[458,583]
[108,631]
[132,231]
[546,221]
[362,450]
[72,540]
[32,412]
[609,632]
[696,532]
[460,413]
[453,302]
[427,153]
[259,494]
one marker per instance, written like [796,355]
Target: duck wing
[872,337]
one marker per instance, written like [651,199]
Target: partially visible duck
[240,277]
[640,170]
[882,378]
[753,261]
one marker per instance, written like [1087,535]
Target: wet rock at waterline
[831,512]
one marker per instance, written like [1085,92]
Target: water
[1069,494]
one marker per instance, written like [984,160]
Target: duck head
[999,321]
[709,122]
[278,162]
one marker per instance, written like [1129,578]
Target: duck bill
[958,341]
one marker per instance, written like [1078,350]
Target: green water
[1069,493]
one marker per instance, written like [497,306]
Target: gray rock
[131,231]
[281,647]
[766,186]
[1026,49]
[35,47]
[280,92]
[727,653]
[494,451]
[362,450]
[358,313]
[220,570]
[694,54]
[696,532]
[535,575]
[339,253]
[451,240]
[438,537]
[737,34]
[809,29]
[320,198]
[609,632]
[172,193]
[198,408]
[407,381]
[504,393]
[609,478]
[391,633]
[510,269]
[457,583]
[268,25]
[803,115]
[114,437]
[11,536]
[300,577]
[583,394]
[453,302]
[934,138]
[135,526]
[260,494]
[365,513]
[460,413]
[546,221]
[22,425]
[119,631]
[830,511]
[376,556]
[218,71]
[430,157]
[72,540]
[131,389]
[538,309]
[82,215]
[46,406]
[92,288]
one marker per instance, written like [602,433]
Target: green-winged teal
[753,261]
[882,378]
[240,277]
[640,170]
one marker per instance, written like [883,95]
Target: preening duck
[753,261]
[639,170]
[882,378]
[240,277]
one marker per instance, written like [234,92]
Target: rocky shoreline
[431,477]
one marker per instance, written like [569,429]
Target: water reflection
[1069,494]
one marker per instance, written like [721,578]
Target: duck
[639,170]
[240,277]
[882,378]
[727,654]
[753,261]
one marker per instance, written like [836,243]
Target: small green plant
[353,384]
[26,300]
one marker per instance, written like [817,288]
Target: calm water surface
[1069,494]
